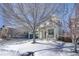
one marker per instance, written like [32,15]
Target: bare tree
[74,26]
[71,23]
[66,14]
[28,15]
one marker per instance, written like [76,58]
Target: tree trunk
[34,33]
[75,47]
[75,44]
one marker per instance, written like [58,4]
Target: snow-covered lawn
[41,48]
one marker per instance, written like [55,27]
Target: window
[51,31]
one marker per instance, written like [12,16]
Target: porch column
[46,34]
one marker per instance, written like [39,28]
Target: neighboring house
[10,32]
[49,29]
[17,32]
[3,33]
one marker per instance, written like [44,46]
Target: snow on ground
[41,48]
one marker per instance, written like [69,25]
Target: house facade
[49,29]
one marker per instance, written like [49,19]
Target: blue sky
[65,18]
[1,22]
